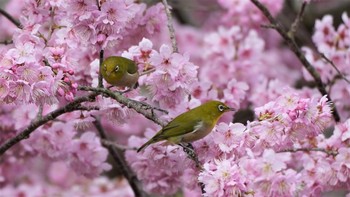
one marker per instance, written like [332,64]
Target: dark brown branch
[298,52]
[10,18]
[72,106]
[120,162]
[328,152]
[141,108]
[268,26]
[6,42]
[98,4]
[100,78]
[334,66]
[117,146]
[89,108]
[170,26]
[295,24]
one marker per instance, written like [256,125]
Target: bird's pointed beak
[231,109]
[108,73]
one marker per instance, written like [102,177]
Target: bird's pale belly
[127,80]
[199,134]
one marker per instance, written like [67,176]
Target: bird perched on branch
[120,71]
[191,125]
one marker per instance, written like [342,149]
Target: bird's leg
[126,91]
[115,91]
[189,150]
[131,88]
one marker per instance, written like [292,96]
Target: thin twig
[268,26]
[120,162]
[6,42]
[334,66]
[298,52]
[9,17]
[88,108]
[170,26]
[39,115]
[298,19]
[98,4]
[191,153]
[118,146]
[100,78]
[140,107]
[328,152]
[147,71]
[72,106]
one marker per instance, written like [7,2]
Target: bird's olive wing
[130,65]
[180,126]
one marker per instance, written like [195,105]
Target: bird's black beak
[231,109]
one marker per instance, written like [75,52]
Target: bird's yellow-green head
[119,71]
[212,110]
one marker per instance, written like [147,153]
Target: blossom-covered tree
[65,132]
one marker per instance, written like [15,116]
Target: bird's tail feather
[145,145]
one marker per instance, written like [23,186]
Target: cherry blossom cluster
[245,13]
[288,122]
[101,186]
[233,51]
[332,43]
[44,65]
[252,159]
[285,151]
[158,180]
[174,76]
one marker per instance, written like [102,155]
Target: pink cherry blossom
[288,145]
[87,155]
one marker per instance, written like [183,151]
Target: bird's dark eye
[221,107]
[116,68]
[105,67]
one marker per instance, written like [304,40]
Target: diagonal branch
[170,26]
[295,24]
[100,78]
[72,106]
[9,17]
[120,162]
[335,67]
[118,146]
[298,52]
[141,108]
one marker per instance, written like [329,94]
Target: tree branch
[100,78]
[295,24]
[141,108]
[335,67]
[120,162]
[10,18]
[298,52]
[72,106]
[98,4]
[6,42]
[170,26]
[118,146]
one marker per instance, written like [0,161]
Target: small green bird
[120,71]
[192,125]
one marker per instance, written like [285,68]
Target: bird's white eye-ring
[116,68]
[221,107]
